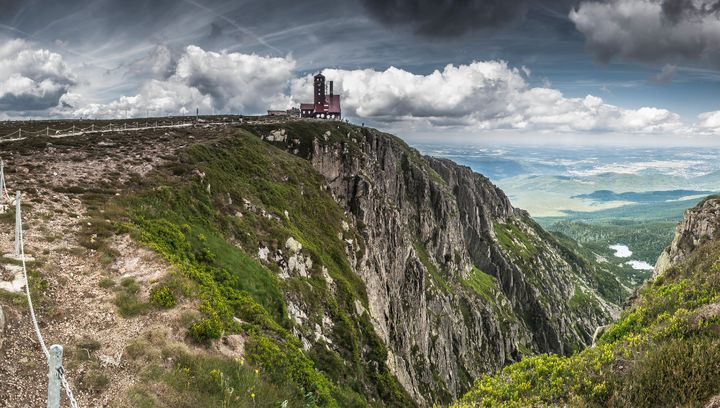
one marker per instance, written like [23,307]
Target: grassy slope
[515,241]
[664,351]
[208,234]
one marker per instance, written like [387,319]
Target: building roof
[307,106]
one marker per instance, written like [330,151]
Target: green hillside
[183,212]
[664,351]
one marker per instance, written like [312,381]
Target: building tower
[319,92]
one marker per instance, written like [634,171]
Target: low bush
[163,297]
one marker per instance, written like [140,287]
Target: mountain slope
[664,350]
[317,263]
[454,272]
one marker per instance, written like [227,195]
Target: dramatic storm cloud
[481,95]
[651,30]
[111,58]
[448,17]
[31,79]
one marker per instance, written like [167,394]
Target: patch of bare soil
[76,306]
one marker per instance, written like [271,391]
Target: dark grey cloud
[677,10]
[31,102]
[655,31]
[449,17]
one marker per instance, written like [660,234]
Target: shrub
[163,297]
[285,362]
[206,329]
[94,380]
[106,283]
[665,351]
[127,299]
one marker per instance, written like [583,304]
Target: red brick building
[326,104]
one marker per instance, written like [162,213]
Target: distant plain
[600,197]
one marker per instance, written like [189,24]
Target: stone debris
[277,136]
[296,314]
[293,245]
[12,279]
[263,253]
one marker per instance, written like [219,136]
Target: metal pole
[3,188]
[18,224]
[55,366]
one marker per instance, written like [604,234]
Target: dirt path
[74,310]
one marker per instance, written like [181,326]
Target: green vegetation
[435,275]
[514,240]
[127,299]
[106,283]
[664,351]
[482,283]
[581,301]
[162,296]
[94,380]
[602,276]
[212,208]
[199,380]
[646,240]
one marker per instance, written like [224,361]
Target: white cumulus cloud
[709,122]
[481,95]
[222,81]
[31,79]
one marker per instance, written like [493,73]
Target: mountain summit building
[326,105]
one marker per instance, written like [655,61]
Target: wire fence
[59,371]
[23,134]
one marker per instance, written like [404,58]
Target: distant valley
[600,198]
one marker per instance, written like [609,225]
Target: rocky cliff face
[699,225]
[458,282]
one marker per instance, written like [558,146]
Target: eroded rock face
[700,224]
[429,229]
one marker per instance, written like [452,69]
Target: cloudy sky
[621,70]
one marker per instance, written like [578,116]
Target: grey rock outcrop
[700,224]
[459,283]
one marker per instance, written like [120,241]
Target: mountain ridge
[329,257]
